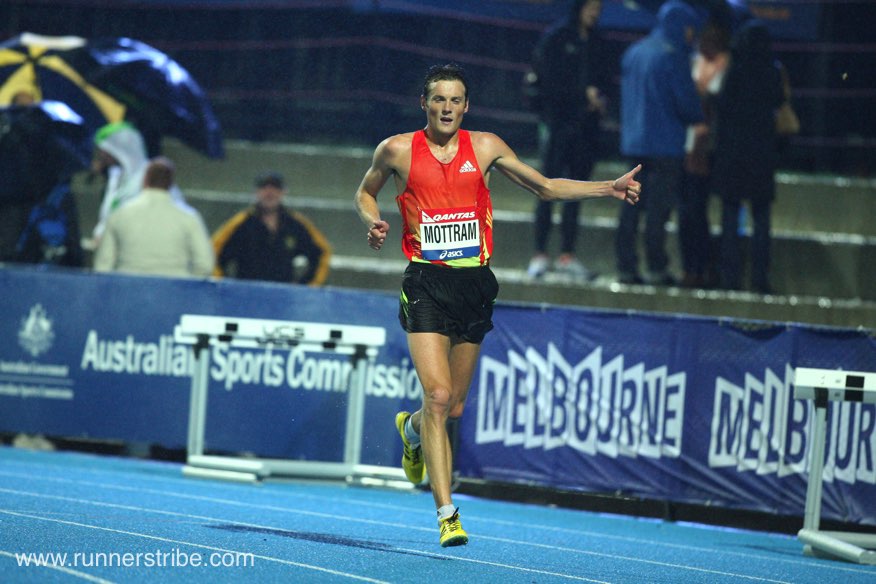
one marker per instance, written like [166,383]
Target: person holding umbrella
[108,80]
[154,234]
[41,146]
[120,154]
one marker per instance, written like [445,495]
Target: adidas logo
[467,167]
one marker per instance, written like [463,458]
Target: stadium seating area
[824,242]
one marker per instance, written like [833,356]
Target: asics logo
[467,167]
[449,254]
[448,216]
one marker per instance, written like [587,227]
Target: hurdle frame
[361,343]
[823,386]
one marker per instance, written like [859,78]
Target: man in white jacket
[154,234]
[121,151]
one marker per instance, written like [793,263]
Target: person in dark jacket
[658,102]
[570,75]
[746,152]
[270,242]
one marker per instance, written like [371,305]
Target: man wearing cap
[269,241]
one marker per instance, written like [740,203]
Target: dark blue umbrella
[40,145]
[157,91]
[110,79]
[33,68]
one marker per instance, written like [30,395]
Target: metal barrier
[361,343]
[823,386]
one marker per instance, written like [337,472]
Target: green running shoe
[412,458]
[452,532]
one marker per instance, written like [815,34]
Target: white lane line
[734,575]
[506,566]
[803,563]
[228,502]
[196,545]
[379,523]
[258,526]
[64,569]
[678,546]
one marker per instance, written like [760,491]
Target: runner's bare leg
[445,368]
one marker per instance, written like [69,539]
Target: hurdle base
[199,472]
[254,470]
[857,548]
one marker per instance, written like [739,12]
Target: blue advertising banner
[675,408]
[92,356]
[662,407]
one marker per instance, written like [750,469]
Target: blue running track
[130,520]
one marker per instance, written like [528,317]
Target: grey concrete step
[829,265]
[804,203]
[823,229]
[382,274]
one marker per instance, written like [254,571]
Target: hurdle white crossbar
[361,343]
[823,386]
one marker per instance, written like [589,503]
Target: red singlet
[446,210]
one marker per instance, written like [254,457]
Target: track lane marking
[192,544]
[474,517]
[384,524]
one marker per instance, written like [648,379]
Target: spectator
[155,234]
[570,76]
[25,97]
[658,102]
[120,153]
[270,242]
[51,235]
[694,235]
[746,139]
[39,219]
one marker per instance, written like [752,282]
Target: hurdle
[361,343]
[823,386]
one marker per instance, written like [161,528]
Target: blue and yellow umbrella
[107,80]
[33,69]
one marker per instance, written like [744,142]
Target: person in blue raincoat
[658,102]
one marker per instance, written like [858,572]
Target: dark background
[350,72]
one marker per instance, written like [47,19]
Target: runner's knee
[437,401]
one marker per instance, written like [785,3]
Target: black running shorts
[451,301]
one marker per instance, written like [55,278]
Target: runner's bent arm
[625,188]
[366,195]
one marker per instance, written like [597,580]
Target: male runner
[441,175]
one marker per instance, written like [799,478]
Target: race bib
[449,234]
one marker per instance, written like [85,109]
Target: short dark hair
[160,173]
[448,72]
[270,179]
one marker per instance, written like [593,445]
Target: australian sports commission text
[175,558]
[294,368]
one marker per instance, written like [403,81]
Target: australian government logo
[28,378]
[36,335]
